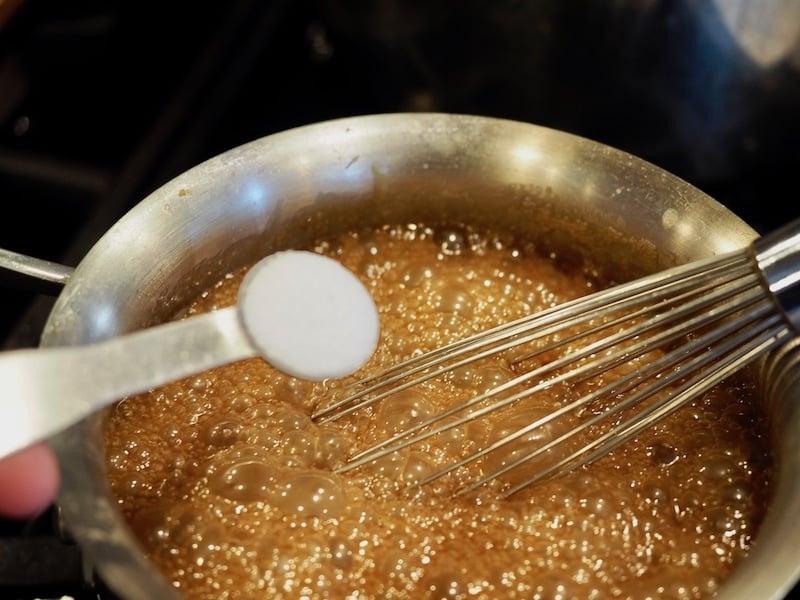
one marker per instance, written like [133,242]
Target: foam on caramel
[230,485]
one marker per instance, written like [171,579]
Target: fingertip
[29,482]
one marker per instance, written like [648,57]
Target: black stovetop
[103,101]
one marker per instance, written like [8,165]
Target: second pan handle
[20,271]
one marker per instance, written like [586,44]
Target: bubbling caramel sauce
[231,487]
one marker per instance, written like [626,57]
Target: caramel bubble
[419,466]
[222,433]
[520,448]
[311,495]
[403,410]
[330,449]
[455,299]
[341,553]
[244,481]
[299,448]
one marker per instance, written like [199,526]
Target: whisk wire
[650,289]
[615,388]
[741,350]
[408,436]
[675,335]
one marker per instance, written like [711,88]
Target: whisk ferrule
[778,258]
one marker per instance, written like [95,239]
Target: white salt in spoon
[304,313]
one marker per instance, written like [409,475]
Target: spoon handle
[45,390]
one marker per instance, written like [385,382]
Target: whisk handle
[777,255]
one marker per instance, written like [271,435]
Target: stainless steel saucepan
[285,189]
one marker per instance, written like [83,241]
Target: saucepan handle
[32,274]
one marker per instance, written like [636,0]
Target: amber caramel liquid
[230,485]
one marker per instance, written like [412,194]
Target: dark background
[103,101]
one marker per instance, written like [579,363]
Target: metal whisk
[704,320]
